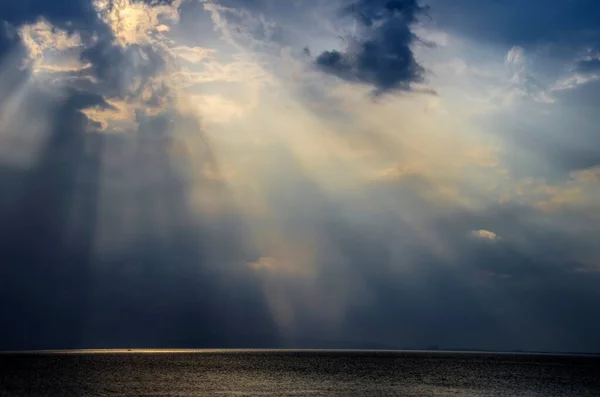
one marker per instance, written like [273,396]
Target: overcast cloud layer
[311,173]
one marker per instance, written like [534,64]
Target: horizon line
[291,350]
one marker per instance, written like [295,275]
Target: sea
[296,373]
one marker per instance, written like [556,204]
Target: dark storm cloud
[380,54]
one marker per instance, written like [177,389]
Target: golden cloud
[134,22]
[484,235]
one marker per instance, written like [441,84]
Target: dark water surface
[286,373]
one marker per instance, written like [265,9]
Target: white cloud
[574,80]
[515,56]
[523,83]
[240,27]
[192,54]
[579,74]
[433,36]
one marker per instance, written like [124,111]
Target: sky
[300,174]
